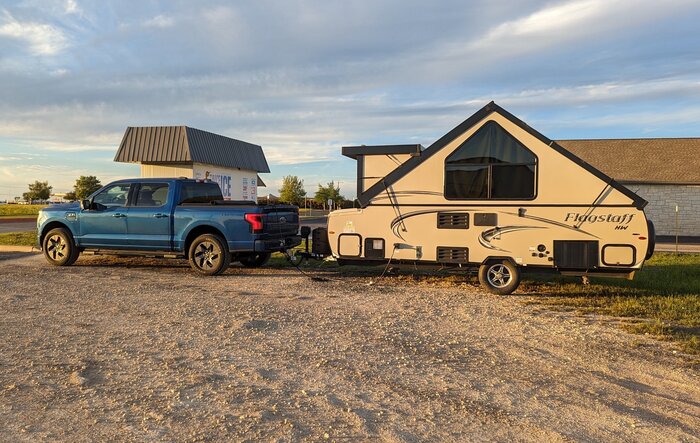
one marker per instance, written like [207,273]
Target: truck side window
[152,194]
[196,192]
[112,196]
[491,164]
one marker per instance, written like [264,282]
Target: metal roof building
[663,171]
[181,151]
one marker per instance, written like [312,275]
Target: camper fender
[496,258]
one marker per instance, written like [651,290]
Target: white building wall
[235,184]
[662,207]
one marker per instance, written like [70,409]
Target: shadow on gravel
[15,255]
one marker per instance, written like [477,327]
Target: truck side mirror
[85,204]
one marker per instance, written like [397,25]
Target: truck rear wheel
[59,247]
[499,277]
[209,255]
[255,260]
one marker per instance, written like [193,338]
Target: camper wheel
[499,277]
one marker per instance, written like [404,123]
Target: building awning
[182,144]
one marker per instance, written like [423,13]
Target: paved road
[682,248]
[17,226]
[315,222]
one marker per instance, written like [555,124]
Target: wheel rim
[56,247]
[499,275]
[207,255]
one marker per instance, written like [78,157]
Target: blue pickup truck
[168,217]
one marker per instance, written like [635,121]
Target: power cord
[386,268]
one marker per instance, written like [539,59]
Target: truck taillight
[256,222]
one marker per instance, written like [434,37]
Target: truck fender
[198,228]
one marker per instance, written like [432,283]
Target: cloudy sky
[303,78]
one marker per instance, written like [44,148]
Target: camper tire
[499,277]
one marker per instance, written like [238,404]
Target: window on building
[152,194]
[491,164]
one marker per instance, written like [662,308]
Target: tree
[38,191]
[292,190]
[70,196]
[329,192]
[84,187]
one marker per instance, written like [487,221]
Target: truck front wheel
[59,247]
[499,277]
[209,255]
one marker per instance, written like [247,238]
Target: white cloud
[42,38]
[71,7]
[599,93]
[553,20]
[159,21]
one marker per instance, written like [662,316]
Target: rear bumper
[279,244]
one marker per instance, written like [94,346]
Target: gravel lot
[136,349]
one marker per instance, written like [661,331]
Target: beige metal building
[181,151]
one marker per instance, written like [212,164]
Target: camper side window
[491,164]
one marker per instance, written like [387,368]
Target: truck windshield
[193,192]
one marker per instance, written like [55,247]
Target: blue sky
[305,78]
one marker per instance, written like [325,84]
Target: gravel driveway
[136,349]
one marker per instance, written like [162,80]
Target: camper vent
[446,254]
[453,220]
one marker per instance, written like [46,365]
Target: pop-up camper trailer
[492,193]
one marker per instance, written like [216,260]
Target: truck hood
[63,207]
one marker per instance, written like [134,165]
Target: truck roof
[160,179]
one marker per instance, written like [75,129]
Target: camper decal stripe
[486,236]
[397,194]
[551,222]
[398,221]
[489,234]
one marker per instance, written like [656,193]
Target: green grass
[27,238]
[20,210]
[663,300]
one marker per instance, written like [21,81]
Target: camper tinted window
[491,164]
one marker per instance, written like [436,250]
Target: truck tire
[208,255]
[499,277]
[255,260]
[59,247]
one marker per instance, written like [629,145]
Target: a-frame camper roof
[413,162]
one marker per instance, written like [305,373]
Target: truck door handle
[119,215]
[160,215]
